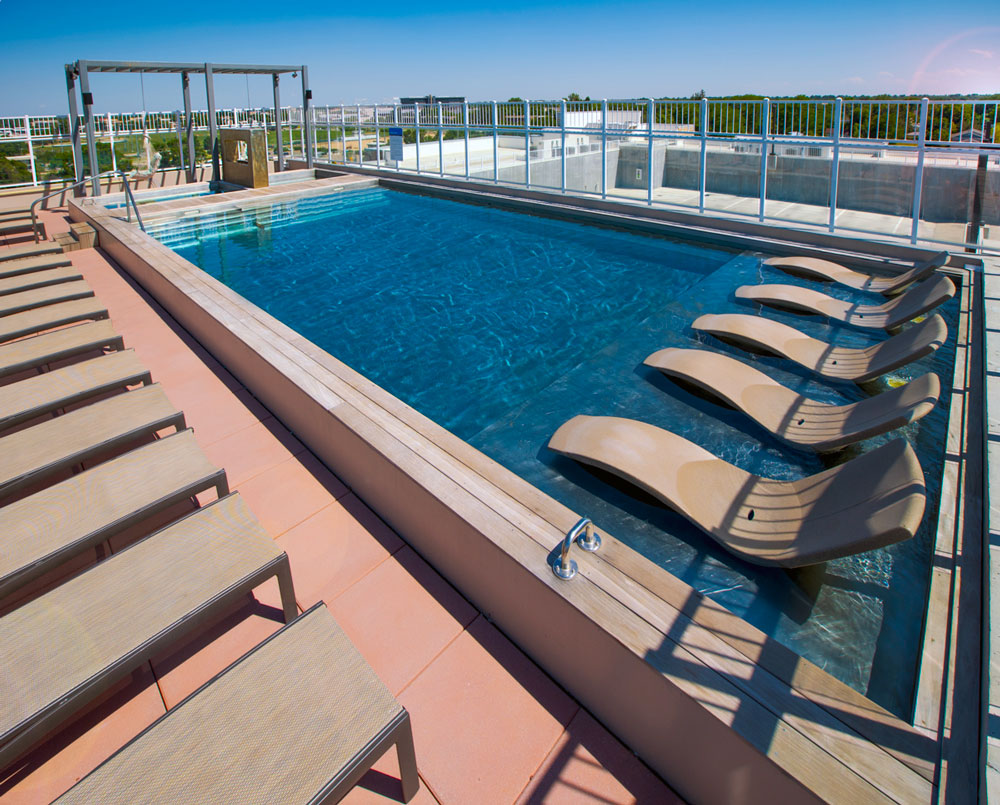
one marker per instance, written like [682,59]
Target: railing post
[361,145]
[440,139]
[838,106]
[604,148]
[329,139]
[562,123]
[416,126]
[650,111]
[704,155]
[496,146]
[527,144]
[465,118]
[31,151]
[378,140]
[765,124]
[918,179]
[343,134]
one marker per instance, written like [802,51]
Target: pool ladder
[583,535]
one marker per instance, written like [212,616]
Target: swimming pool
[155,198]
[501,326]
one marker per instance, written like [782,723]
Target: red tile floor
[489,725]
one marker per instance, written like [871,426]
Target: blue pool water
[501,326]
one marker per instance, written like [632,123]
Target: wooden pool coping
[717,707]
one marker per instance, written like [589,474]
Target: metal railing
[583,535]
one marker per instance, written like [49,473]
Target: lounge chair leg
[407,760]
[288,605]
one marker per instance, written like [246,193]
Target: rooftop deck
[489,725]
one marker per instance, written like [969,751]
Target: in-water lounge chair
[69,342]
[826,360]
[894,313]
[49,317]
[868,502]
[278,730]
[790,416]
[38,279]
[829,271]
[43,530]
[68,646]
[35,453]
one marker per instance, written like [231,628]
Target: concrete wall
[583,171]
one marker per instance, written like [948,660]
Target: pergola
[82,70]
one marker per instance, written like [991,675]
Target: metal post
[562,123]
[31,151]
[213,144]
[74,128]
[650,111]
[343,135]
[279,139]
[465,117]
[765,124]
[838,106]
[527,144]
[315,146]
[604,148]
[88,119]
[189,126]
[416,126]
[440,140]
[496,146]
[307,133]
[180,144]
[329,138]
[918,179]
[378,141]
[704,155]
[361,145]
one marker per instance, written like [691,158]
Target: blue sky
[371,52]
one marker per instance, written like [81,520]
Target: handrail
[131,198]
[61,191]
[582,534]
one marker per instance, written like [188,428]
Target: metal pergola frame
[82,69]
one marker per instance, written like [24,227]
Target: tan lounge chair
[278,729]
[34,396]
[40,350]
[828,271]
[49,317]
[70,645]
[891,314]
[38,279]
[868,502]
[29,250]
[792,417]
[15,226]
[28,265]
[41,531]
[40,297]
[836,363]
[37,452]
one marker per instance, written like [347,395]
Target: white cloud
[855,79]
[986,54]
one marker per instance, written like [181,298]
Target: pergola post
[212,128]
[306,127]
[189,127]
[74,128]
[280,148]
[88,119]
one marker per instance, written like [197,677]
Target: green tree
[12,172]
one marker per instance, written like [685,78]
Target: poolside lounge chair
[39,350]
[34,396]
[828,271]
[40,297]
[17,226]
[897,311]
[57,444]
[790,416]
[278,729]
[70,645]
[826,360]
[38,279]
[28,265]
[43,530]
[868,502]
[49,317]
[29,250]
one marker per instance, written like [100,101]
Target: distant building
[432,99]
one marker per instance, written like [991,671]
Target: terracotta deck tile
[334,548]
[589,765]
[289,493]
[74,751]
[249,452]
[209,407]
[401,616]
[484,718]
[184,669]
